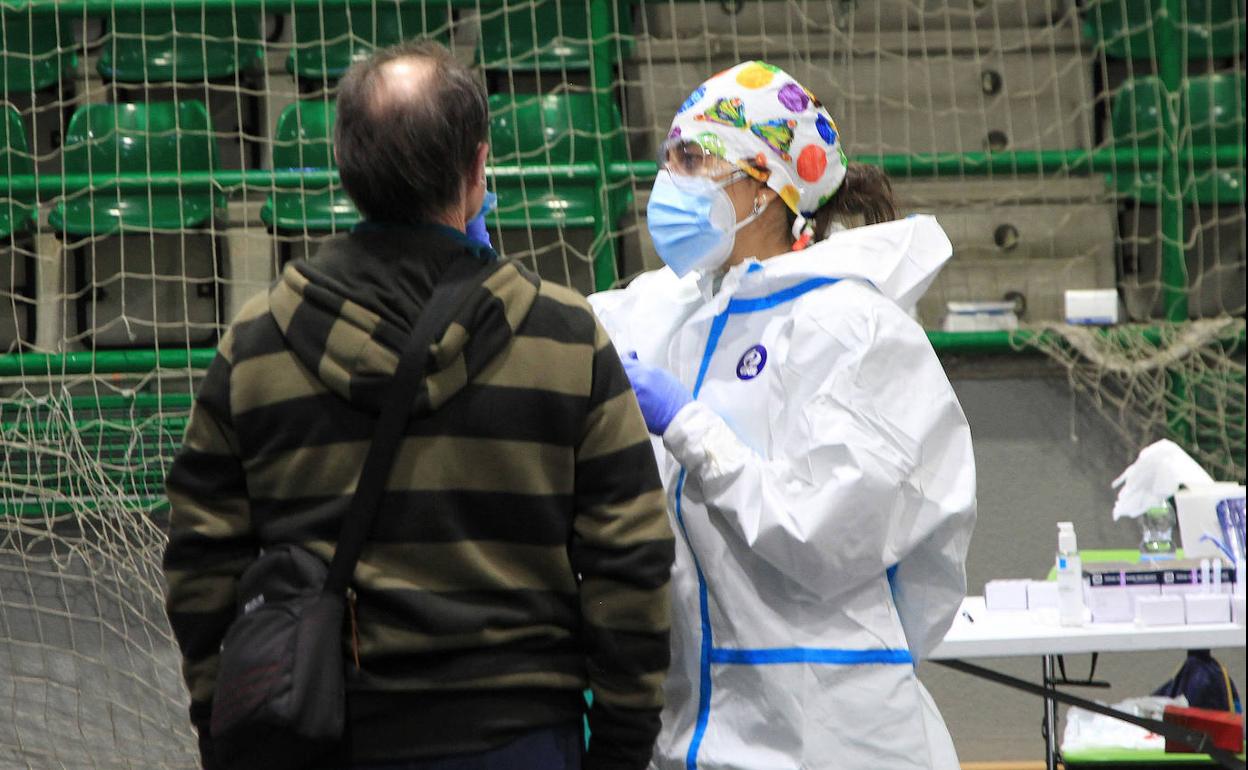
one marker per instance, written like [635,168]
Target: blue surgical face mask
[693,223]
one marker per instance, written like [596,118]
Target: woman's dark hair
[403,155]
[865,197]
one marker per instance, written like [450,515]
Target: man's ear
[483,156]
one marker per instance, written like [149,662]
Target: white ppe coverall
[822,488]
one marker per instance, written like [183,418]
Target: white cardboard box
[1115,604]
[1160,611]
[1197,509]
[1006,594]
[1041,594]
[1110,604]
[1092,307]
[1207,608]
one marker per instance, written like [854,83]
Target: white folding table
[978,633]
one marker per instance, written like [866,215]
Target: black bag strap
[461,278]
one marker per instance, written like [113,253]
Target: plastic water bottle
[1069,576]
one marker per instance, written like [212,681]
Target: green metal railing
[607,171]
[115,417]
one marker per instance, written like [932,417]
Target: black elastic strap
[461,277]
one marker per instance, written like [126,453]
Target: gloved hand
[476,228]
[659,393]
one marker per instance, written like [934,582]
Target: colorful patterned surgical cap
[757,113]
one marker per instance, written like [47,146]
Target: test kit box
[1113,590]
[1181,573]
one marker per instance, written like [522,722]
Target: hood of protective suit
[348,312]
[900,259]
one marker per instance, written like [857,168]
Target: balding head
[411,120]
[401,80]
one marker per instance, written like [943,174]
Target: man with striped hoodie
[522,550]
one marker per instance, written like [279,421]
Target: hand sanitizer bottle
[1069,576]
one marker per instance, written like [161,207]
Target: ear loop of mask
[755,214]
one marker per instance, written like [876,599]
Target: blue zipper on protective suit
[721,655]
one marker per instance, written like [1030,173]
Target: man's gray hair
[405,150]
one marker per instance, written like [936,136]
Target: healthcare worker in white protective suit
[817,464]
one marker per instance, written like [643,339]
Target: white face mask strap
[755,214]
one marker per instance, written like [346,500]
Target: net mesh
[162,160]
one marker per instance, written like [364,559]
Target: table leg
[1050,716]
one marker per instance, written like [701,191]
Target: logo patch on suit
[752,363]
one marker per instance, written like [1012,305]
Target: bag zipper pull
[355,628]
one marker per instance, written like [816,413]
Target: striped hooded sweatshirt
[522,550]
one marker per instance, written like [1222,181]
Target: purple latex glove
[476,228]
[659,393]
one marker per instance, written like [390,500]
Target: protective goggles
[692,165]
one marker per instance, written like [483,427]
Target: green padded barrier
[555,128]
[329,39]
[146,138]
[1213,28]
[37,50]
[547,35]
[304,140]
[1214,105]
[182,45]
[17,212]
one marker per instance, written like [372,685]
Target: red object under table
[1225,727]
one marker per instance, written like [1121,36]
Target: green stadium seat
[304,140]
[38,49]
[148,138]
[546,34]
[1211,105]
[1137,115]
[328,39]
[1216,104]
[552,129]
[1213,28]
[16,212]
[182,45]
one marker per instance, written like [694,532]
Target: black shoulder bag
[280,698]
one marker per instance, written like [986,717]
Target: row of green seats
[196,44]
[524,130]
[131,445]
[1211,114]
[1128,29]
[147,138]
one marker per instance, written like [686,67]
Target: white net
[162,159]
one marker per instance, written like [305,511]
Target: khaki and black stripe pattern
[522,542]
